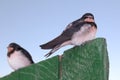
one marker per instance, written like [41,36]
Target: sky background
[33,22]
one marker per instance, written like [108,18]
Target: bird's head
[88,17]
[12,47]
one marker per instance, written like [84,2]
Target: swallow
[76,33]
[18,57]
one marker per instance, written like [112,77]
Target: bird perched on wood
[18,57]
[76,33]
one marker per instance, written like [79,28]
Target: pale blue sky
[33,22]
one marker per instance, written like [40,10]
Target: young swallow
[76,33]
[18,57]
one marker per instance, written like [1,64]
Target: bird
[18,57]
[76,33]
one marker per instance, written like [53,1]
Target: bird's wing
[58,40]
[27,54]
[65,36]
[74,23]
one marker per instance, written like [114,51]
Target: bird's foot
[86,42]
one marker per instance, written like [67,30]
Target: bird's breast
[86,33]
[18,60]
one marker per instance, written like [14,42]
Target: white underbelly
[18,60]
[83,35]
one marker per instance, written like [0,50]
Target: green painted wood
[86,62]
[44,70]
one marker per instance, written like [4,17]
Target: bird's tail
[53,50]
[53,43]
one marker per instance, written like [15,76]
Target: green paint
[85,62]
